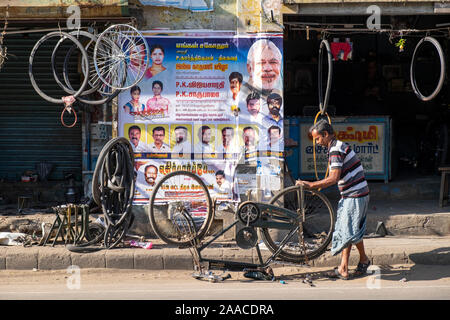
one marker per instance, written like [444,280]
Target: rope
[68,101]
[314,145]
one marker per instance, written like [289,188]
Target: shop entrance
[371,77]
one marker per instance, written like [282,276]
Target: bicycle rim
[317,227]
[121,52]
[179,194]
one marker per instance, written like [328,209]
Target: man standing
[134,134]
[158,146]
[151,173]
[345,170]
[182,146]
[274,102]
[235,96]
[204,146]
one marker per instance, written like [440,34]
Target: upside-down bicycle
[296,225]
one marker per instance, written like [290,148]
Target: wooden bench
[443,194]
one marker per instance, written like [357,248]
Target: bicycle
[296,225]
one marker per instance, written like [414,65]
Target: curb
[381,251]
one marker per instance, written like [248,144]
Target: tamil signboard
[369,137]
[208,100]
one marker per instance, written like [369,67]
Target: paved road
[392,282]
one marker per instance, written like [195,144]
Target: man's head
[205,134]
[227,136]
[151,172]
[158,134]
[220,177]
[157,87]
[274,134]
[264,63]
[235,82]
[274,102]
[134,134]
[322,132]
[180,134]
[253,104]
[249,136]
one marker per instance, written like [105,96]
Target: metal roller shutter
[30,127]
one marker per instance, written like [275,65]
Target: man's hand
[303,183]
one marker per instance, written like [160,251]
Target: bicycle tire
[119,58]
[311,230]
[157,217]
[31,59]
[68,87]
[323,102]
[436,91]
[96,193]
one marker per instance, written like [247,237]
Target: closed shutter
[30,128]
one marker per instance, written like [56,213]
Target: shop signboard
[202,106]
[369,137]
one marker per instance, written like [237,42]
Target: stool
[443,194]
[23,202]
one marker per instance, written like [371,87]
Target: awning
[56,9]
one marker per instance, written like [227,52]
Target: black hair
[159,129]
[150,165]
[135,88]
[156,46]
[274,127]
[235,75]
[133,127]
[157,82]
[253,95]
[180,127]
[220,172]
[276,97]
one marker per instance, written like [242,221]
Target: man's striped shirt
[352,182]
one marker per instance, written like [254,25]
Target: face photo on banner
[157,55]
[248,137]
[147,178]
[204,140]
[158,138]
[227,139]
[136,134]
[181,140]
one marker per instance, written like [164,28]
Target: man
[275,143]
[274,118]
[234,99]
[182,146]
[204,146]
[222,186]
[151,173]
[134,134]
[253,107]
[249,139]
[264,67]
[158,146]
[227,145]
[345,170]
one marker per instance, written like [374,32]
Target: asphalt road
[405,282]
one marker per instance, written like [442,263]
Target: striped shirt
[352,182]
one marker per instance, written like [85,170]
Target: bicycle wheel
[38,44]
[317,226]
[178,194]
[121,52]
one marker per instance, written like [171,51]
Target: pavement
[388,250]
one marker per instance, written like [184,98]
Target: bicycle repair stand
[246,239]
[69,223]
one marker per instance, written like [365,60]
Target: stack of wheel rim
[112,62]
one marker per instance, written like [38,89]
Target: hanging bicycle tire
[94,81]
[317,226]
[323,101]
[38,44]
[440,52]
[177,194]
